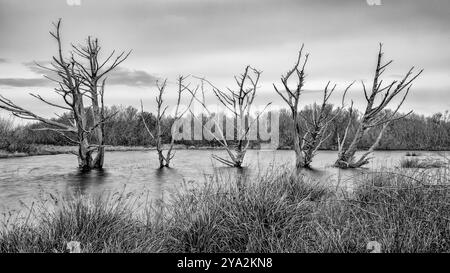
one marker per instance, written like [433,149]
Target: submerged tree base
[349,165]
[277,213]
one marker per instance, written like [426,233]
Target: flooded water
[23,179]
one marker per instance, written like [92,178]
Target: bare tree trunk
[97,117]
[347,157]
[240,155]
[297,149]
[84,151]
[84,156]
[162,160]
[159,147]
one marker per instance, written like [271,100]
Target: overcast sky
[217,38]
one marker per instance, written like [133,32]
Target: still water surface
[23,179]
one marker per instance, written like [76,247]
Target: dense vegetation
[415,132]
[279,212]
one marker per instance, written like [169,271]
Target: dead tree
[307,144]
[375,113]
[93,73]
[165,159]
[238,102]
[321,116]
[292,97]
[72,88]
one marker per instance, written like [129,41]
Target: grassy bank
[34,150]
[24,150]
[278,213]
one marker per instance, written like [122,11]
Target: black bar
[223,262]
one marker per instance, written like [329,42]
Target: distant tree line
[126,128]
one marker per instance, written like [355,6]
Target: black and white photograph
[248,127]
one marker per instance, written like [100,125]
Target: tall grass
[281,212]
[404,214]
[102,224]
[269,215]
[421,164]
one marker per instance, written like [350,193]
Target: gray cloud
[32,66]
[3,60]
[128,77]
[27,82]
[216,38]
[119,76]
[24,82]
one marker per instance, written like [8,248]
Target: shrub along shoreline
[278,212]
